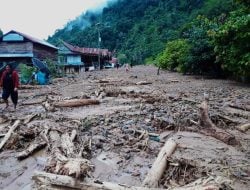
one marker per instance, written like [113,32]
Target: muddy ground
[166,105]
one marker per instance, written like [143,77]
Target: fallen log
[64,160]
[8,135]
[41,178]
[76,103]
[56,182]
[29,118]
[48,106]
[143,83]
[75,167]
[67,145]
[31,149]
[44,134]
[244,127]
[73,135]
[241,107]
[154,175]
[210,129]
[227,118]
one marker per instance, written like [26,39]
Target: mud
[168,106]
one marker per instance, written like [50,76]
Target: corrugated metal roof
[40,65]
[89,51]
[35,40]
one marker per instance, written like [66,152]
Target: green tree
[122,58]
[26,72]
[202,56]
[175,56]
[232,43]
[53,69]
[1,32]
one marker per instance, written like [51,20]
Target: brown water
[16,174]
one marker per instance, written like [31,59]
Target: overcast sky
[40,18]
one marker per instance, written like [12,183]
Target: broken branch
[154,175]
[210,129]
[8,135]
[244,127]
[31,149]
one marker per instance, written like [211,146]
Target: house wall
[74,60]
[43,52]
[15,47]
[93,60]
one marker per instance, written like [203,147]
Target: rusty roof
[32,39]
[88,51]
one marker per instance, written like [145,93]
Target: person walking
[10,83]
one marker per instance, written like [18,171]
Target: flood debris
[209,128]
[7,136]
[108,130]
[244,127]
[158,168]
[143,83]
[35,146]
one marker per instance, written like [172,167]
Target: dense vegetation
[196,36]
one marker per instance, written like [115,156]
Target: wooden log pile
[64,159]
[54,181]
[67,164]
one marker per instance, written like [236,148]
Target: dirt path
[138,100]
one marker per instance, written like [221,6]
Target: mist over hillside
[139,30]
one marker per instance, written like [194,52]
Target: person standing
[10,83]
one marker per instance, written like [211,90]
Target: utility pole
[99,46]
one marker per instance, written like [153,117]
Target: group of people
[9,82]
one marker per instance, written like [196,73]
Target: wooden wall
[43,52]
[16,47]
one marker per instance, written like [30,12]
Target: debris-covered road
[110,125]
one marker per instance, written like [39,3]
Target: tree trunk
[143,83]
[8,135]
[241,107]
[154,175]
[76,103]
[210,129]
[244,127]
[42,178]
[64,160]
[31,149]
[67,145]
[55,182]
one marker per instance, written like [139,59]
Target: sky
[41,18]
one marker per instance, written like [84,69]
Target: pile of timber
[52,181]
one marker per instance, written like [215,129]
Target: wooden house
[22,48]
[74,58]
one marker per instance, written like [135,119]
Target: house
[69,60]
[76,59]
[16,48]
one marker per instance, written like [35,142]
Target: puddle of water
[112,167]
[16,174]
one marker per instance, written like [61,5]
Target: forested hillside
[196,36]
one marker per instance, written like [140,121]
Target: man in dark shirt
[10,83]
